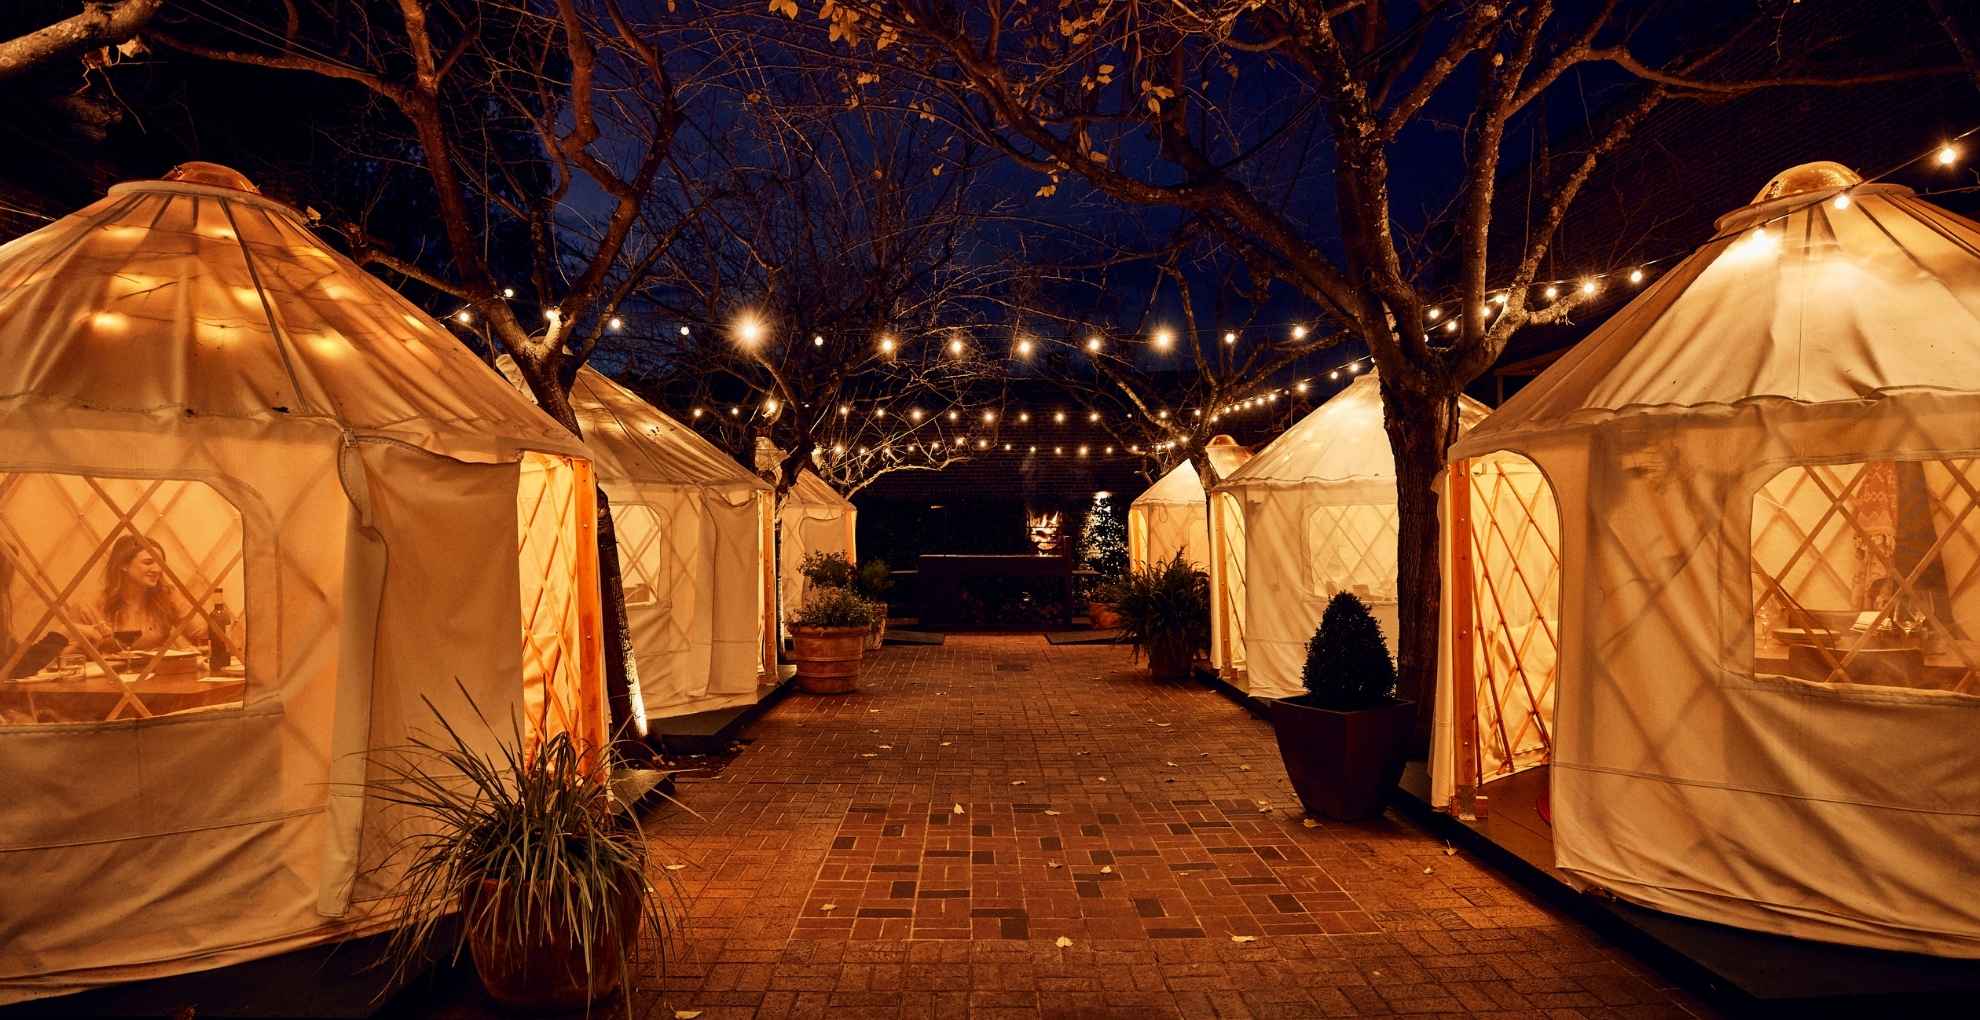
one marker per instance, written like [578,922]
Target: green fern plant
[1166,606]
[1347,662]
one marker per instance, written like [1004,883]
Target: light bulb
[508,292]
[1551,292]
[845,409]
[615,324]
[697,412]
[1230,338]
[684,331]
[749,330]
[1499,298]
[1636,276]
[1024,348]
[1436,313]
[770,405]
[1353,367]
[1842,201]
[817,341]
[1299,332]
[989,416]
[1058,417]
[956,347]
[1093,345]
[1300,387]
[1024,416]
[1948,154]
[1335,374]
[914,414]
[886,345]
[953,415]
[1092,416]
[1588,286]
[1164,339]
[463,316]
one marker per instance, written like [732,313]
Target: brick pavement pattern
[920,848]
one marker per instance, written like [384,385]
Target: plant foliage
[1347,663]
[540,824]
[833,607]
[875,580]
[828,569]
[1166,605]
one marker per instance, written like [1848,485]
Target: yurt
[812,518]
[1226,530]
[1718,568]
[694,552]
[1168,517]
[1317,512]
[254,507]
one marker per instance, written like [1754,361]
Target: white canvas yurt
[1226,530]
[1317,513]
[1168,517]
[694,552]
[1719,568]
[813,517]
[254,506]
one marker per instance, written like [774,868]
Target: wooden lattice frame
[1499,699]
[1356,554]
[196,586]
[1955,499]
[556,554]
[642,536]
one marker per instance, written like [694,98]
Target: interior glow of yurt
[1317,514]
[1719,568]
[694,540]
[1226,529]
[1168,517]
[254,507]
[812,518]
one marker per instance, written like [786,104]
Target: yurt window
[121,599]
[1352,547]
[642,552]
[555,504]
[1865,575]
[1506,527]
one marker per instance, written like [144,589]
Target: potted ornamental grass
[872,584]
[1165,614]
[546,868]
[828,639]
[1343,740]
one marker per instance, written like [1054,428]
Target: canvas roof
[631,440]
[1180,485]
[1340,442]
[1795,300]
[198,298]
[1226,456]
[811,491]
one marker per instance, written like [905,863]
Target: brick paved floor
[919,848]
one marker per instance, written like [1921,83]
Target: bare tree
[97,26]
[833,279]
[1279,124]
[543,124]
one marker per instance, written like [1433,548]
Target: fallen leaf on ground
[1017,782]
[959,809]
[1428,870]
[1244,938]
[675,867]
[1449,850]
[1244,768]
[1172,765]
[886,747]
[1164,725]
[1051,812]
[1102,778]
[1309,823]
[872,711]
[946,743]
[686,1014]
[1107,869]
[1063,943]
[829,907]
[1052,864]
[869,754]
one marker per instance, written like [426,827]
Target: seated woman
[137,600]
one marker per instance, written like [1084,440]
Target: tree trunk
[1421,428]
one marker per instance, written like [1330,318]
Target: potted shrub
[545,866]
[873,582]
[1103,604]
[827,570]
[1343,740]
[828,636]
[1165,613]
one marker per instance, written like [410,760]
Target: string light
[845,409]
[1588,286]
[953,414]
[1299,332]
[770,405]
[615,324]
[684,331]
[464,316]
[887,345]
[956,347]
[508,292]
[1842,201]
[1636,276]
[1024,348]
[1093,345]
[697,412]
[749,330]
[1948,154]
[1058,417]
[1024,417]
[989,417]
[1230,338]
[1164,340]
[1436,313]
[914,414]
[1551,292]
[1092,416]
[817,340]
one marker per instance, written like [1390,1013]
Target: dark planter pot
[828,658]
[548,974]
[1169,660]
[1342,764]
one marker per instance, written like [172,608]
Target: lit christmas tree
[1103,537]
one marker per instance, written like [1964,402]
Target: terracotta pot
[1342,764]
[1169,660]
[1102,616]
[548,974]
[828,658]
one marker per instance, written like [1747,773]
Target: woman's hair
[157,603]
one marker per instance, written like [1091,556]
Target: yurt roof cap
[1225,454]
[1179,486]
[1800,299]
[1343,441]
[170,303]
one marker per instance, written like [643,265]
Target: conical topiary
[1347,662]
